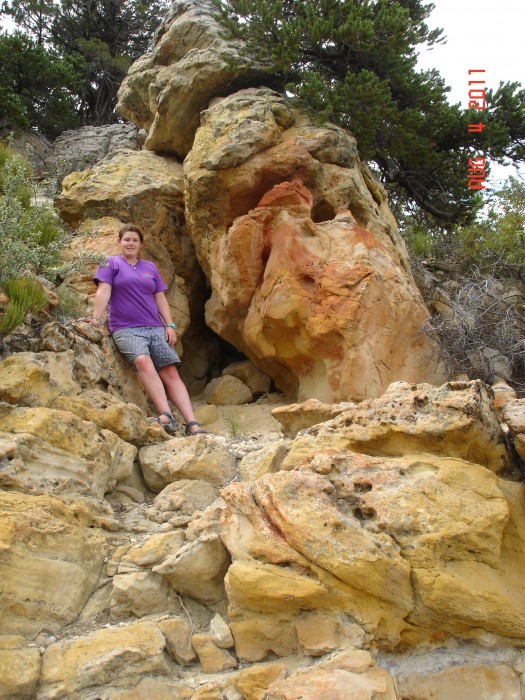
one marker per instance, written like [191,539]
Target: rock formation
[373,548]
[388,537]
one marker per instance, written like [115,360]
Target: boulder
[456,419]
[326,538]
[178,632]
[227,391]
[181,458]
[166,90]
[198,569]
[77,149]
[294,549]
[120,655]
[19,668]
[213,659]
[298,416]
[258,382]
[37,379]
[50,562]
[350,674]
[59,450]
[474,682]
[126,420]
[514,416]
[295,290]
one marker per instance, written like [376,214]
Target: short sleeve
[106,272]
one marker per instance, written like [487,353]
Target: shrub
[25,295]
[32,235]
[484,333]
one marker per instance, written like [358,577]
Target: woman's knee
[143,363]
[169,372]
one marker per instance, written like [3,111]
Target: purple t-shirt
[132,303]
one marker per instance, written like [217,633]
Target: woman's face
[130,244]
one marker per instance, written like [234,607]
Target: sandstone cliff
[366,543]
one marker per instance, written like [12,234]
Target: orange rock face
[321,307]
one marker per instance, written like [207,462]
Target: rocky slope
[368,542]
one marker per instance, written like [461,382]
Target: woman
[140,322]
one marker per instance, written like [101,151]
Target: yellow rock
[256,636]
[213,659]
[253,682]
[453,420]
[36,379]
[49,563]
[104,657]
[19,668]
[474,682]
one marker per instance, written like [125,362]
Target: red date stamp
[477,170]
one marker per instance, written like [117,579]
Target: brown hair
[133,229]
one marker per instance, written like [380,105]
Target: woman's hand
[171,335]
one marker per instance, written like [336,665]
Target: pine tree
[99,39]
[354,62]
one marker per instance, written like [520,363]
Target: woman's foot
[193,428]
[167,421]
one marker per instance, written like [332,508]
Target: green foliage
[354,62]
[497,242]
[105,37]
[32,235]
[33,16]
[71,305]
[36,86]
[25,294]
[492,245]
[92,42]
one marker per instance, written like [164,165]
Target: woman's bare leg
[177,392]
[152,384]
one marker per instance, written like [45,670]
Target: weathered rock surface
[298,416]
[19,668]
[455,523]
[468,682]
[113,656]
[350,674]
[50,563]
[179,459]
[378,548]
[257,381]
[79,148]
[56,446]
[295,272]
[166,90]
[227,391]
[456,419]
[514,416]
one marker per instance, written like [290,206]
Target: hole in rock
[322,211]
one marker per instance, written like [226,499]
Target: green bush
[25,295]
[32,235]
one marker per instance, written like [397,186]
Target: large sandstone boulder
[456,420]
[50,561]
[252,140]
[137,186]
[78,148]
[294,549]
[400,544]
[165,91]
[323,308]
[116,655]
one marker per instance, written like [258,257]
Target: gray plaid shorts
[146,340]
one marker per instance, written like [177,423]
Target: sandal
[170,426]
[195,432]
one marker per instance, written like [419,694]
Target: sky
[481,35]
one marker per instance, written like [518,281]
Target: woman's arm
[102,297]
[165,314]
